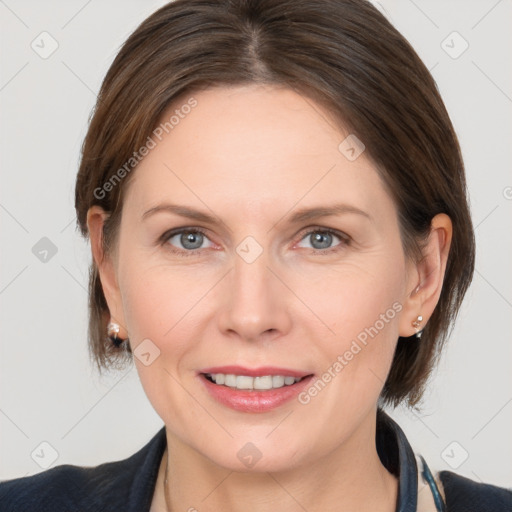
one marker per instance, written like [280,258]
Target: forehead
[260,147]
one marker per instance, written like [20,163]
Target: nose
[257,301]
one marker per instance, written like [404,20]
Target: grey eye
[189,240]
[324,240]
[320,239]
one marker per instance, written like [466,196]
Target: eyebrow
[301,215]
[326,211]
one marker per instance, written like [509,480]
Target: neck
[351,477]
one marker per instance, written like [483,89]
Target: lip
[251,401]
[255,372]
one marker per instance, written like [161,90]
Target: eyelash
[345,240]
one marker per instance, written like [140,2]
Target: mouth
[253,390]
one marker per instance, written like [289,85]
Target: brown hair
[343,54]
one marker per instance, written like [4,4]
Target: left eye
[322,239]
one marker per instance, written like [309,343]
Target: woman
[281,240]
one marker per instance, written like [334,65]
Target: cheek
[159,299]
[354,296]
[163,306]
[359,308]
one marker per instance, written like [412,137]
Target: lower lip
[254,400]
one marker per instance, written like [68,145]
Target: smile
[253,390]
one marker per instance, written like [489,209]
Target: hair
[344,55]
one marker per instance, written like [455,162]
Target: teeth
[263,382]
[277,381]
[245,382]
[229,380]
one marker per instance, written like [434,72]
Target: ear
[105,263]
[426,280]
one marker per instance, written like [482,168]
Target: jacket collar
[398,457]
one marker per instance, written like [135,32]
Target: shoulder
[61,488]
[465,495]
[115,485]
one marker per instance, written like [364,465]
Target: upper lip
[255,372]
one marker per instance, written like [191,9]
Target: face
[299,273]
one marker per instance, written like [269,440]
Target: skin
[252,156]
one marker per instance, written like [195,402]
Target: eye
[322,239]
[185,240]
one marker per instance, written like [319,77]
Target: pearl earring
[416,324]
[113,330]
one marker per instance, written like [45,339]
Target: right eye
[190,240]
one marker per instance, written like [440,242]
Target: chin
[255,457]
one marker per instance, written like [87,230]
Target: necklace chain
[166,488]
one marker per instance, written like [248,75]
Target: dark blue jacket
[128,485]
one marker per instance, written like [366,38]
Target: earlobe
[96,218]
[428,277]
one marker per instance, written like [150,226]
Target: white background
[48,389]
